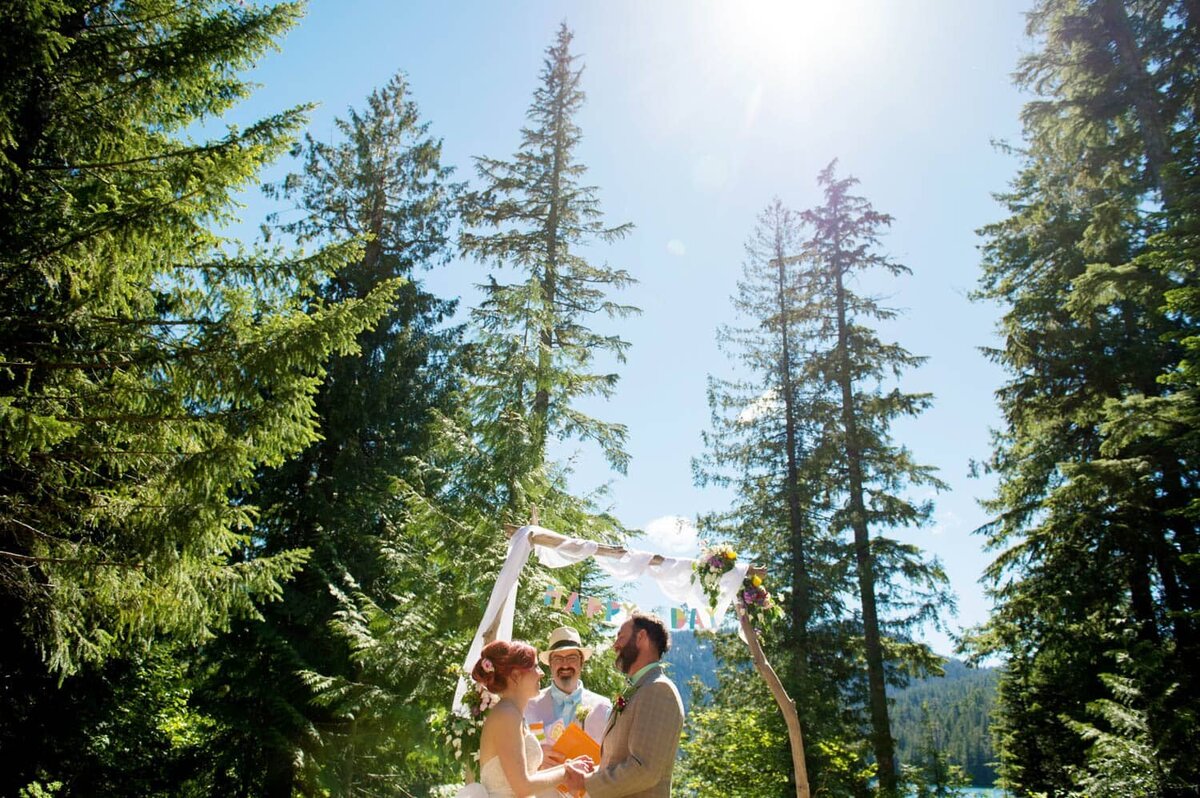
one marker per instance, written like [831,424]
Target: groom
[638,751]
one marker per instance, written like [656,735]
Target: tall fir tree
[804,438]
[150,366]
[536,350]
[869,476]
[532,356]
[1096,466]
[340,720]
[765,442]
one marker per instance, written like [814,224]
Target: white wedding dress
[491,774]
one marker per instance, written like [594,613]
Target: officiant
[566,700]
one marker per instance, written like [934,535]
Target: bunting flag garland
[610,610]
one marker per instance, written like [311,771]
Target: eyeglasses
[566,659]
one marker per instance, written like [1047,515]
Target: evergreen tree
[534,216]
[898,590]
[532,356]
[735,741]
[349,497]
[932,775]
[804,438]
[961,702]
[1121,759]
[765,442]
[1096,455]
[150,366]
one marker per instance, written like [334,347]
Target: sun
[792,36]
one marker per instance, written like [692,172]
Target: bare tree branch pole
[786,705]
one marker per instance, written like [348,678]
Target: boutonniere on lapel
[622,700]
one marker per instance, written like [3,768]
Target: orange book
[574,741]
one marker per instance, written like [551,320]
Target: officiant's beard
[626,656]
[569,682]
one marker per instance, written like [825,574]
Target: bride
[509,754]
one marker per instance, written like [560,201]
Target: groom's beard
[626,656]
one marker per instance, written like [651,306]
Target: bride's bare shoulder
[504,714]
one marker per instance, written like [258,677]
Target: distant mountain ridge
[690,657]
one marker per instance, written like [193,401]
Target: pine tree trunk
[541,400]
[801,607]
[881,736]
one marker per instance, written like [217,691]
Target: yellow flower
[730,554]
[756,580]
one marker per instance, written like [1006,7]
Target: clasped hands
[576,769]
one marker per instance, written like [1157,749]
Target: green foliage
[735,742]
[1096,456]
[931,773]
[534,216]
[149,366]
[125,728]
[345,661]
[959,704]
[1122,759]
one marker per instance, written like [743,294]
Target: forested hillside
[691,657]
[959,707]
[959,710]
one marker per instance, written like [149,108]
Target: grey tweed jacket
[637,754]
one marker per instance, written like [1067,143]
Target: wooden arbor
[544,537]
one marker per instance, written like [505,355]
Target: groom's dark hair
[654,628]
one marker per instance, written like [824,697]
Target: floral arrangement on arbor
[465,724]
[712,564]
[757,599]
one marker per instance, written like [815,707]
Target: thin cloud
[672,535]
[675,247]
[945,521]
[764,404]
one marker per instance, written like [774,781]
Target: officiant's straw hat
[564,638]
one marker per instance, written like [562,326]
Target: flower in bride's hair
[487,665]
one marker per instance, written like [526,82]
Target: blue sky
[698,114]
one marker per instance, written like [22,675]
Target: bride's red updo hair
[499,660]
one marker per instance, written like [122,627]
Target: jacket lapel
[629,696]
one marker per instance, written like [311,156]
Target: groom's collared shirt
[642,671]
[545,710]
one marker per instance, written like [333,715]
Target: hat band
[565,644]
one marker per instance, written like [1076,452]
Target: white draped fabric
[673,575]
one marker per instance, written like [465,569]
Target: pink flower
[487,665]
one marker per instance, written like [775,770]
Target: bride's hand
[584,763]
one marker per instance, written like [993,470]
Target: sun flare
[794,35]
